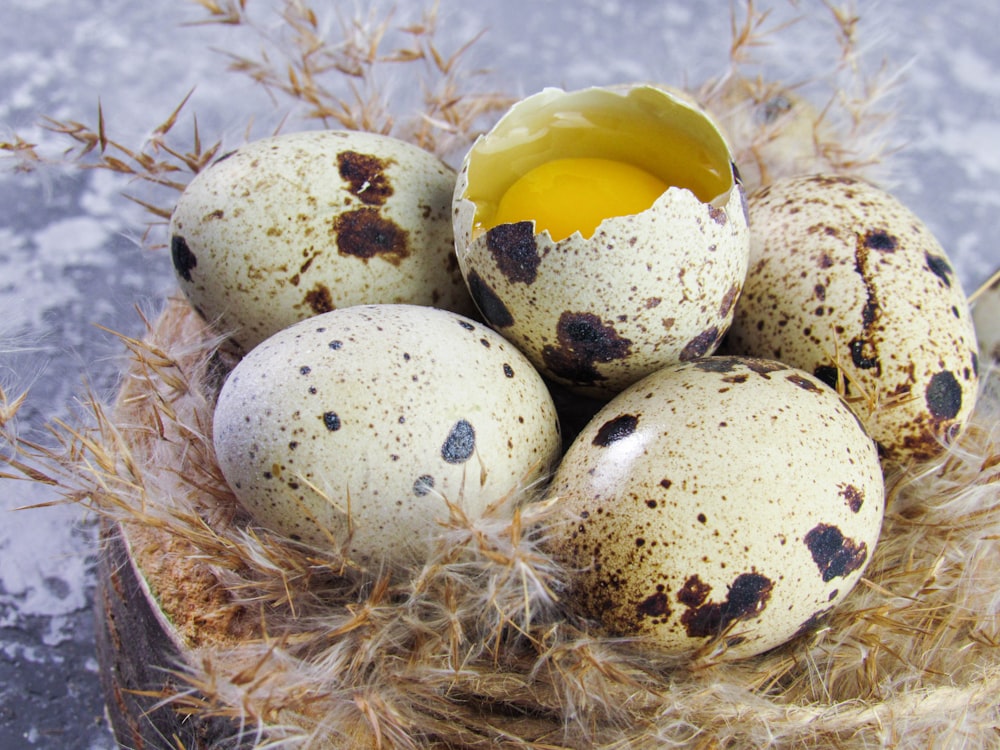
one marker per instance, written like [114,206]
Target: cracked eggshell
[291,226]
[848,284]
[646,290]
[357,427]
[723,503]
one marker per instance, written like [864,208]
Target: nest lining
[472,649]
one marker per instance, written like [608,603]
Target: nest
[296,648]
[214,633]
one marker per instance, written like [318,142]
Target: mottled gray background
[71,254]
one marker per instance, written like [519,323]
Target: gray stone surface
[71,254]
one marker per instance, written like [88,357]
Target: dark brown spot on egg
[702,344]
[804,383]
[762,367]
[814,620]
[488,302]
[854,497]
[657,605]
[423,485]
[616,429]
[828,374]
[365,176]
[879,239]
[729,300]
[864,355]
[747,598]
[694,592]
[584,340]
[365,234]
[331,421]
[716,364]
[939,267]
[718,215]
[514,251]
[834,554]
[184,260]
[508,371]
[319,299]
[944,396]
[460,444]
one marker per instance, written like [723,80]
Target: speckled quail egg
[848,284]
[773,131]
[720,505]
[604,232]
[294,225]
[356,429]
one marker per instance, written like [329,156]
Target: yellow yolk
[566,195]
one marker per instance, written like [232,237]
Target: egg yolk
[570,194]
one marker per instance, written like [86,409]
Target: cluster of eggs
[403,330]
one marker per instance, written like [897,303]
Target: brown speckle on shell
[184,260]
[489,304]
[944,396]
[584,341]
[834,554]
[515,251]
[747,597]
[366,176]
[616,429]
[460,444]
[702,344]
[319,299]
[854,497]
[364,233]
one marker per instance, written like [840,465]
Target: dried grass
[300,648]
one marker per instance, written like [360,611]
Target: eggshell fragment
[597,313]
[291,226]
[722,504]
[357,428]
[847,284]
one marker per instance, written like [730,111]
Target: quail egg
[604,232]
[848,284]
[294,225]
[725,503]
[986,316]
[360,428]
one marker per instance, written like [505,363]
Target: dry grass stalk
[300,648]
[775,130]
[471,648]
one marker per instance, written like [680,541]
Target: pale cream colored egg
[357,428]
[773,131]
[291,226]
[848,284]
[621,290]
[721,505]
[986,316]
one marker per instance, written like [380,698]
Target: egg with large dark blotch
[291,226]
[723,505]
[604,232]
[848,284]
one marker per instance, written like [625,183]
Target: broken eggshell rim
[515,144]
